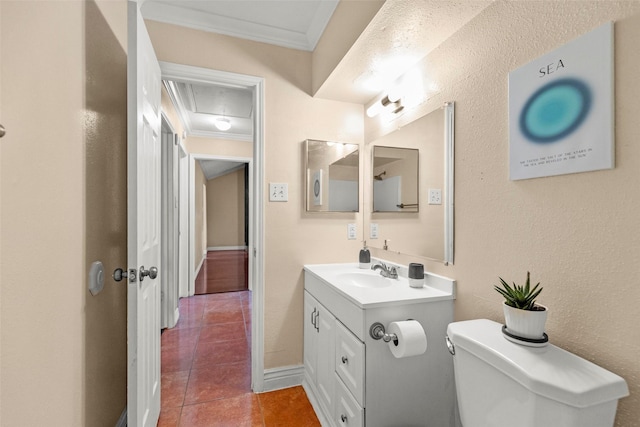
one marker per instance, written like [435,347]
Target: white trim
[192,220]
[221,135]
[169,238]
[226,248]
[256,229]
[256,195]
[185,266]
[229,26]
[449,126]
[285,377]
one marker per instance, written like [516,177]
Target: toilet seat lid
[547,371]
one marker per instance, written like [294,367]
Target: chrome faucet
[385,271]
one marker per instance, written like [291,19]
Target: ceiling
[215,168]
[199,105]
[399,36]
[297,24]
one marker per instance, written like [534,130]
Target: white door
[143,234]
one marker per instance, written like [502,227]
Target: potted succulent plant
[523,316]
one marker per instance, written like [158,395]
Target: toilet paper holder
[377,332]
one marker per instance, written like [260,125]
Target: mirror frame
[449,149]
[411,209]
[308,199]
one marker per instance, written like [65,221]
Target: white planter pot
[525,323]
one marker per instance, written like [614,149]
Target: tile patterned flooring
[206,370]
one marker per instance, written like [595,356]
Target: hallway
[206,370]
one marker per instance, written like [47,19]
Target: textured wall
[577,234]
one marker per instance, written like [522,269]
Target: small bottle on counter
[365,256]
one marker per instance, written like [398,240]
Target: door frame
[170,232]
[171,71]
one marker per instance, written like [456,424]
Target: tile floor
[206,370]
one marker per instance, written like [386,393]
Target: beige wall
[225,210]
[348,21]
[219,147]
[577,234]
[292,237]
[63,71]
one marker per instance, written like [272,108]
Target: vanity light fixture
[222,123]
[391,102]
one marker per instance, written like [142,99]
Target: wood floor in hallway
[206,370]
[223,271]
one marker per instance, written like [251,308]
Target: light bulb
[222,124]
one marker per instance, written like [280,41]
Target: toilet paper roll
[412,341]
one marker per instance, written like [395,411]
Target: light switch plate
[352,230]
[278,192]
[435,196]
[373,231]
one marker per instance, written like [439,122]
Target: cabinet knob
[345,360]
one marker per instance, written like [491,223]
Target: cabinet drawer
[350,361]
[348,413]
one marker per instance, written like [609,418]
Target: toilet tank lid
[547,371]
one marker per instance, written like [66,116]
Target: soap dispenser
[365,256]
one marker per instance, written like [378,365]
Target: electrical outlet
[278,192]
[373,231]
[435,197]
[351,231]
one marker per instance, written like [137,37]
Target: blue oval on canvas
[555,110]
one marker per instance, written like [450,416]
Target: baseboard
[122,421]
[226,248]
[279,378]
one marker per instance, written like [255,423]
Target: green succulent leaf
[522,297]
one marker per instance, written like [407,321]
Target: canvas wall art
[561,109]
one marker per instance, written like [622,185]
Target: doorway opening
[226,204]
[255,232]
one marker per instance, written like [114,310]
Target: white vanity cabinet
[319,350]
[353,380]
[334,366]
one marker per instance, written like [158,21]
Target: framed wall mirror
[332,176]
[395,179]
[424,230]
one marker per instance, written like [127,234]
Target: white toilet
[503,384]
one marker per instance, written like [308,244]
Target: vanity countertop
[398,291]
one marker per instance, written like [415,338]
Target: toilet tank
[502,384]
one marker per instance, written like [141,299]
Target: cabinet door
[350,361]
[326,357]
[310,337]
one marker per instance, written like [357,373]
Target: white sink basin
[367,288]
[364,279]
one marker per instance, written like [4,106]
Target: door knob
[152,273]
[119,274]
